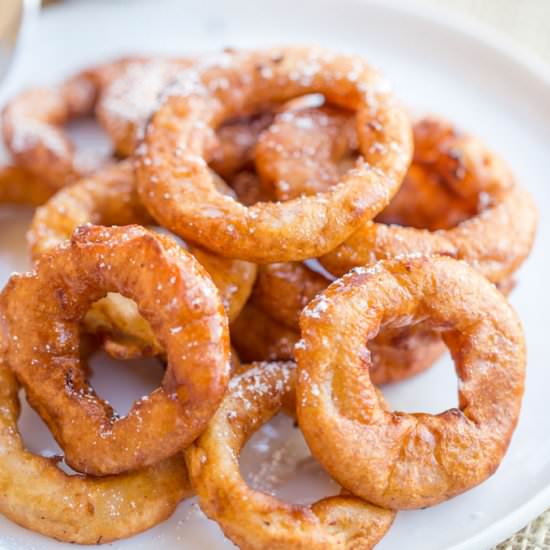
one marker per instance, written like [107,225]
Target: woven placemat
[526,22]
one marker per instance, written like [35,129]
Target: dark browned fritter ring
[172,291]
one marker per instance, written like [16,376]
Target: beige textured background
[527,23]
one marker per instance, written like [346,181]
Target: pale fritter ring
[395,459]
[257,521]
[41,312]
[33,123]
[172,172]
[282,290]
[110,198]
[37,495]
[127,102]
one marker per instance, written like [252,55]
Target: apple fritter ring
[33,123]
[255,520]
[173,175]
[41,315]
[458,197]
[395,459]
[110,198]
[128,100]
[282,291]
[37,495]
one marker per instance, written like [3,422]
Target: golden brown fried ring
[37,495]
[454,180]
[18,186]
[255,520]
[283,290]
[33,123]
[172,173]
[41,315]
[394,459]
[110,198]
[258,337]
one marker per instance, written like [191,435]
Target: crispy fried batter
[37,495]
[258,337]
[172,172]
[41,314]
[255,520]
[400,460]
[18,186]
[110,198]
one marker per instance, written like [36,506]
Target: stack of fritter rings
[283,236]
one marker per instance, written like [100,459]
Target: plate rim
[520,58]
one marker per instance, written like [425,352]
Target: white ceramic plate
[436,66]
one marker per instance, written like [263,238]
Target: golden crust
[283,290]
[458,198]
[401,460]
[306,150]
[257,521]
[177,192]
[110,198]
[37,495]
[235,144]
[174,294]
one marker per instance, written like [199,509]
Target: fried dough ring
[110,198]
[127,102]
[18,186]
[175,295]
[33,123]
[283,290]
[454,179]
[400,460]
[257,521]
[172,173]
[37,495]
